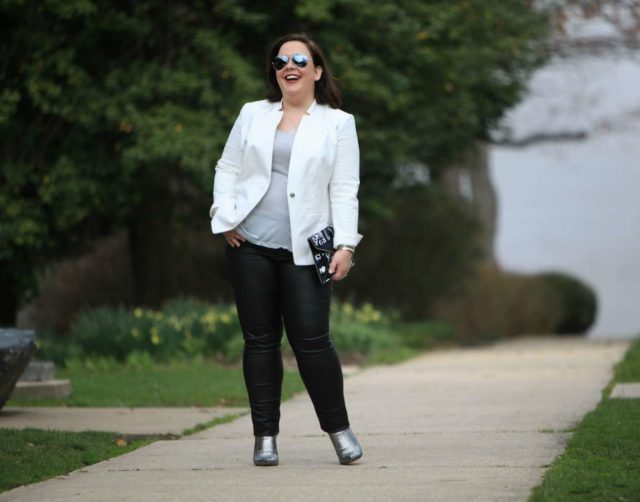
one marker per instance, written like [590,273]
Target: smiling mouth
[292,78]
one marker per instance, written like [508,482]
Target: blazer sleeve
[228,168]
[343,185]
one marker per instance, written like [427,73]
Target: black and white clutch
[321,244]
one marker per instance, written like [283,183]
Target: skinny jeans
[271,292]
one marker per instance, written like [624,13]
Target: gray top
[268,223]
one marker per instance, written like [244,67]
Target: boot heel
[346,445]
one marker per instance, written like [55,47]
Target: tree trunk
[470,180]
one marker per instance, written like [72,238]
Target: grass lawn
[202,382]
[32,455]
[182,383]
[602,458]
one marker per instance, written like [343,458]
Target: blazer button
[292,195]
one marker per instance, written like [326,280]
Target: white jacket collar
[312,106]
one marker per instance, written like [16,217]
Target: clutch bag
[321,244]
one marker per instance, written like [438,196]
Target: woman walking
[289,169]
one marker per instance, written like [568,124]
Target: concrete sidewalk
[464,424]
[166,421]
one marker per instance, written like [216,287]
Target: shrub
[421,335]
[497,303]
[355,331]
[361,330]
[51,346]
[194,328]
[183,327]
[576,303]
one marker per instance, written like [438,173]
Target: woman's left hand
[340,264]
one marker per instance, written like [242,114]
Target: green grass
[629,369]
[32,455]
[212,423]
[181,383]
[602,458]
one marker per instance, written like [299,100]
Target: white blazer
[323,179]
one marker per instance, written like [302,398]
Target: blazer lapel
[264,130]
[308,132]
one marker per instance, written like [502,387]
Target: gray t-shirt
[268,223]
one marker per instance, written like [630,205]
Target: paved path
[470,424]
[126,421]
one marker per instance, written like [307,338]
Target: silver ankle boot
[265,451]
[347,446]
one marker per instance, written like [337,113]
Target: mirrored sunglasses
[300,60]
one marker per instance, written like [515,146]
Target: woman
[289,169]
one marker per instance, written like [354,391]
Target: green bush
[362,330]
[422,335]
[497,303]
[575,302]
[51,346]
[182,327]
[192,328]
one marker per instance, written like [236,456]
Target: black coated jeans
[270,290]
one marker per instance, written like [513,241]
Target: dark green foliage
[97,100]
[106,106]
[575,302]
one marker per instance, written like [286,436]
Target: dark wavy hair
[326,91]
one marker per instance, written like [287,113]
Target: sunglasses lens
[300,60]
[279,62]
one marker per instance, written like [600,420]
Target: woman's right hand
[233,238]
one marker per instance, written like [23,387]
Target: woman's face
[295,82]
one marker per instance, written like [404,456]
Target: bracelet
[347,247]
